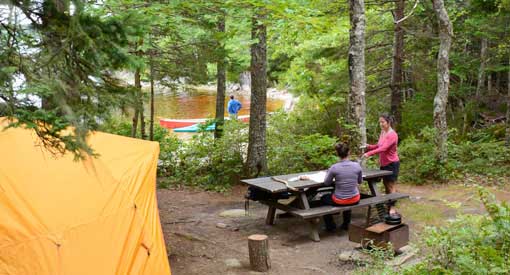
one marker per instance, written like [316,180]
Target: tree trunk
[151,125]
[508,105]
[357,104]
[137,101]
[258,248]
[498,82]
[143,135]
[51,9]
[443,80]
[481,70]
[398,60]
[221,82]
[489,83]
[464,117]
[256,161]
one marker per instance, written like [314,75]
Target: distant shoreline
[288,99]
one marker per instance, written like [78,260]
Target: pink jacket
[386,147]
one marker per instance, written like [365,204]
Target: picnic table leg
[271,213]
[373,188]
[313,223]
[380,207]
[304,201]
[314,229]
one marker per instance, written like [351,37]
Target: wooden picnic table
[305,190]
[372,176]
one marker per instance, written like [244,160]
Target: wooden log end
[257,237]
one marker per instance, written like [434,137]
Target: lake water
[200,103]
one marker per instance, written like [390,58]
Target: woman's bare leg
[390,187]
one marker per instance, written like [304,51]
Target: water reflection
[199,103]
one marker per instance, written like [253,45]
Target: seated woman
[347,175]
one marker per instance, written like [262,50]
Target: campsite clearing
[200,241]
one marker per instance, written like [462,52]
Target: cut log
[258,246]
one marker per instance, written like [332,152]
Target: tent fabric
[95,216]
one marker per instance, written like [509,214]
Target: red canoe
[171,123]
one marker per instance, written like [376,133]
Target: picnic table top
[270,185]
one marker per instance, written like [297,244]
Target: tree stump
[258,246]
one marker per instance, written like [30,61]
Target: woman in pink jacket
[386,147]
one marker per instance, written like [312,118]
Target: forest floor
[200,241]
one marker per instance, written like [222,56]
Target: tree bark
[489,83]
[481,70]
[398,59]
[51,10]
[508,105]
[357,104]
[151,125]
[464,117]
[258,247]
[143,135]
[256,162]
[221,82]
[443,80]
[137,108]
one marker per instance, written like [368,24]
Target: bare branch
[407,16]
[378,88]
[9,32]
[378,46]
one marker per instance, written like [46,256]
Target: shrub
[484,156]
[289,152]
[212,164]
[472,244]
[216,164]
[418,159]
[122,127]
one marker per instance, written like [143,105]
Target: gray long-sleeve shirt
[346,175]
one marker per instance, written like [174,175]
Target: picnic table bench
[306,208]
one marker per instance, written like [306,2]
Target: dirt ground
[200,241]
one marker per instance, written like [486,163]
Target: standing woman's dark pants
[390,181]
[328,219]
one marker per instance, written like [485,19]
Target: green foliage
[483,156]
[62,60]
[310,115]
[217,164]
[212,164]
[379,256]
[415,114]
[288,151]
[471,244]
[418,161]
[68,58]
[122,127]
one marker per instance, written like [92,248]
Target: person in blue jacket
[233,107]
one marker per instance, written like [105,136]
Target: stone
[345,256]
[233,213]
[221,225]
[233,263]
[354,256]
[407,252]
[417,198]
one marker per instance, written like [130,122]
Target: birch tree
[443,79]
[483,64]
[357,104]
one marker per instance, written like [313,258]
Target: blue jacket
[234,106]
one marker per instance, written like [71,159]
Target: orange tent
[96,216]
